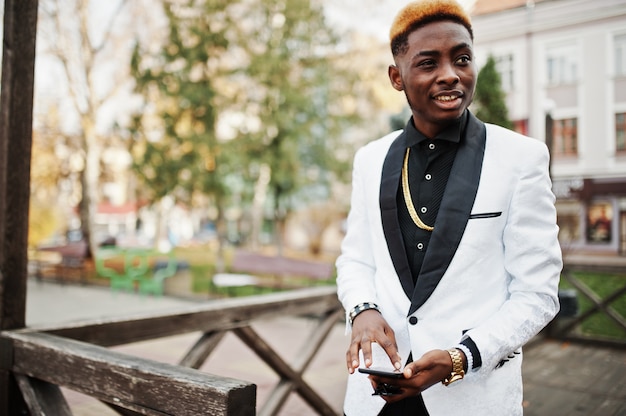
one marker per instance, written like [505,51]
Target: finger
[393,398]
[390,347]
[352,356]
[352,361]
[366,347]
[349,362]
[410,370]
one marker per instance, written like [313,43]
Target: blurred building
[563,67]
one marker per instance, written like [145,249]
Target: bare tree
[85,50]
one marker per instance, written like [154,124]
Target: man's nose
[448,74]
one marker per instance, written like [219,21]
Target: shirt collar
[452,133]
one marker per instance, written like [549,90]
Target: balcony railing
[76,356]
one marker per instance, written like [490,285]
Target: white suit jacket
[491,271]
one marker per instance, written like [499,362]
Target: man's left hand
[430,369]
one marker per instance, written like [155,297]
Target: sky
[372,17]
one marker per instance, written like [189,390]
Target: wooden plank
[141,385]
[613,268]
[215,315]
[43,398]
[201,350]
[13,403]
[16,119]
[256,263]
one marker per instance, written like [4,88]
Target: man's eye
[464,60]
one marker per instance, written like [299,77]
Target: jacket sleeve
[355,264]
[533,263]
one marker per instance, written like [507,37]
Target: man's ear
[395,78]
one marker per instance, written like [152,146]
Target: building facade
[563,68]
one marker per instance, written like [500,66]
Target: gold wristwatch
[457,367]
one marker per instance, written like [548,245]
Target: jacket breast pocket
[483,215]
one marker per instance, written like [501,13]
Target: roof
[494,6]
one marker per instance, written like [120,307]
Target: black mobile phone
[384,389]
[381,373]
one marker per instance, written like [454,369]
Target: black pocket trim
[485,215]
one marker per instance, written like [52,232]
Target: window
[504,66]
[565,137]
[599,222]
[620,55]
[562,65]
[569,221]
[620,132]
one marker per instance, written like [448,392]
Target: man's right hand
[367,327]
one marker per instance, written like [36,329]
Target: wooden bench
[164,267]
[254,269]
[62,262]
[231,281]
[136,269]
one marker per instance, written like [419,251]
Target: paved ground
[563,379]
[559,379]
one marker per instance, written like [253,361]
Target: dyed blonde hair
[420,13]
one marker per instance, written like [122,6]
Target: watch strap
[457,367]
[361,307]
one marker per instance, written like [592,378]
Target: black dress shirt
[430,162]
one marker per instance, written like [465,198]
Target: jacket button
[413,320]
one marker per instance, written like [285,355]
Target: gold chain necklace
[407,195]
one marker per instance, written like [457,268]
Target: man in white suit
[451,260]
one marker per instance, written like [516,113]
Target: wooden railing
[76,356]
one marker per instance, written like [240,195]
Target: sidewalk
[53,303]
[560,379]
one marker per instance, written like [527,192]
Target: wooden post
[550,139]
[16,119]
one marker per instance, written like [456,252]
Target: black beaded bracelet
[361,307]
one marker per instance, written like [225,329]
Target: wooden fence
[569,327]
[76,357]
